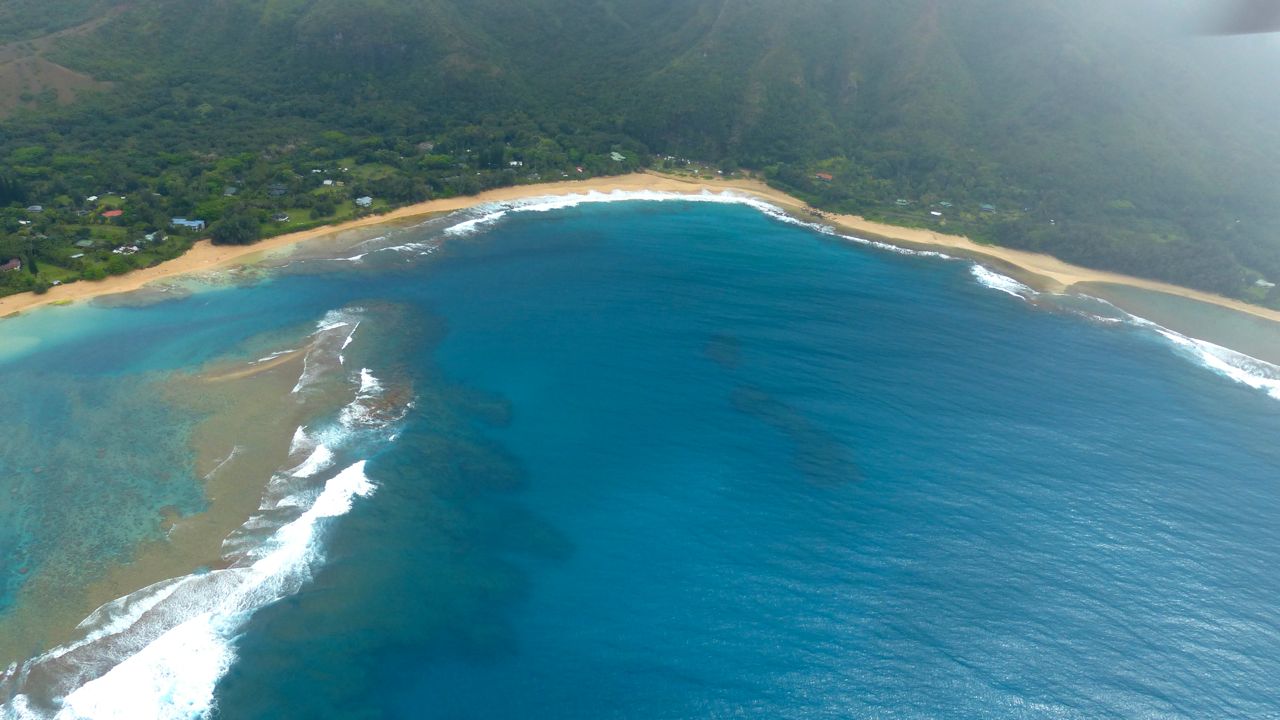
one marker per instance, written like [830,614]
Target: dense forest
[1082,128]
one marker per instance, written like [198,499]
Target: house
[901,203]
[935,213]
[35,208]
[1264,283]
[77,256]
[91,199]
[516,163]
[617,156]
[364,202]
[230,191]
[188,224]
[14,264]
[84,244]
[151,237]
[280,217]
[277,190]
[328,182]
[945,204]
[825,177]
[987,208]
[126,250]
[112,213]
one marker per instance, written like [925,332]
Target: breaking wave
[333,334]
[160,652]
[1005,284]
[487,215]
[1228,363]
[1233,365]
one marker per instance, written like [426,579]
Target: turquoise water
[672,460]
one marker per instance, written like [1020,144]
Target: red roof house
[14,264]
[824,176]
[112,213]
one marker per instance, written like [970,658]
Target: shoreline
[1044,272]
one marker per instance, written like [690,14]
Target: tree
[238,227]
[10,190]
[323,206]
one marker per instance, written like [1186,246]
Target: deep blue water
[676,460]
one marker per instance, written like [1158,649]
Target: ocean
[631,456]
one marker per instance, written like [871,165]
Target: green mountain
[1101,132]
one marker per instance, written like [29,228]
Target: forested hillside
[1101,132]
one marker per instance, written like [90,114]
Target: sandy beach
[1043,271]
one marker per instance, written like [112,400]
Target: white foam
[301,441]
[272,356]
[1237,366]
[332,326]
[362,413]
[119,615]
[320,356]
[172,678]
[235,450]
[350,336]
[496,211]
[174,675]
[159,652]
[1003,283]
[368,383]
[468,227]
[318,461]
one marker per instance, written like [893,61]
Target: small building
[230,191]
[187,224]
[84,244]
[945,204]
[935,213]
[1264,283]
[91,199]
[617,156]
[112,213]
[901,203]
[825,177]
[987,208]
[35,208]
[516,163]
[328,182]
[14,264]
[77,256]
[364,202]
[152,237]
[280,217]
[277,190]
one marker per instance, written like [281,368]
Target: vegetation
[1077,128]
